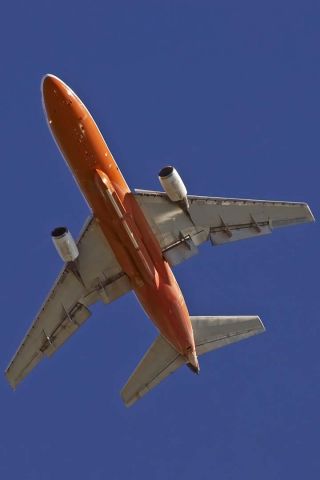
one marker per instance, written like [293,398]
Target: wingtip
[128,402]
[262,327]
[11,382]
[311,217]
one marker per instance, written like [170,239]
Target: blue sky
[228,92]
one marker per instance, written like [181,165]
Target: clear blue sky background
[228,92]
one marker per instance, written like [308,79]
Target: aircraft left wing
[95,275]
[220,220]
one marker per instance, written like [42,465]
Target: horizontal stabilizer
[211,333]
[160,360]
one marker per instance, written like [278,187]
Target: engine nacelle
[173,186]
[65,244]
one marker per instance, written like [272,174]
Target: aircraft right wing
[220,220]
[95,275]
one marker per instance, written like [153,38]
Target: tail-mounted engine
[65,244]
[173,186]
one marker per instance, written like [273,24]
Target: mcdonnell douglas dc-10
[131,242]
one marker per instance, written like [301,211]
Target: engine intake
[65,244]
[173,185]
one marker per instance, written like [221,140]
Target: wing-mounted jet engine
[174,187]
[65,244]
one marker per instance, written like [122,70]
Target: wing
[95,275]
[220,220]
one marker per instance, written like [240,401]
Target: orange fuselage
[118,213]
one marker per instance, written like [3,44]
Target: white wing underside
[220,220]
[96,275]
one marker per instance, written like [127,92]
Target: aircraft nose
[56,95]
[51,86]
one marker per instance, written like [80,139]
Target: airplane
[130,243]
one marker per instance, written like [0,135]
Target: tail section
[162,359]
[193,362]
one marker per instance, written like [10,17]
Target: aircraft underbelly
[153,281]
[166,308]
[152,278]
[119,215]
